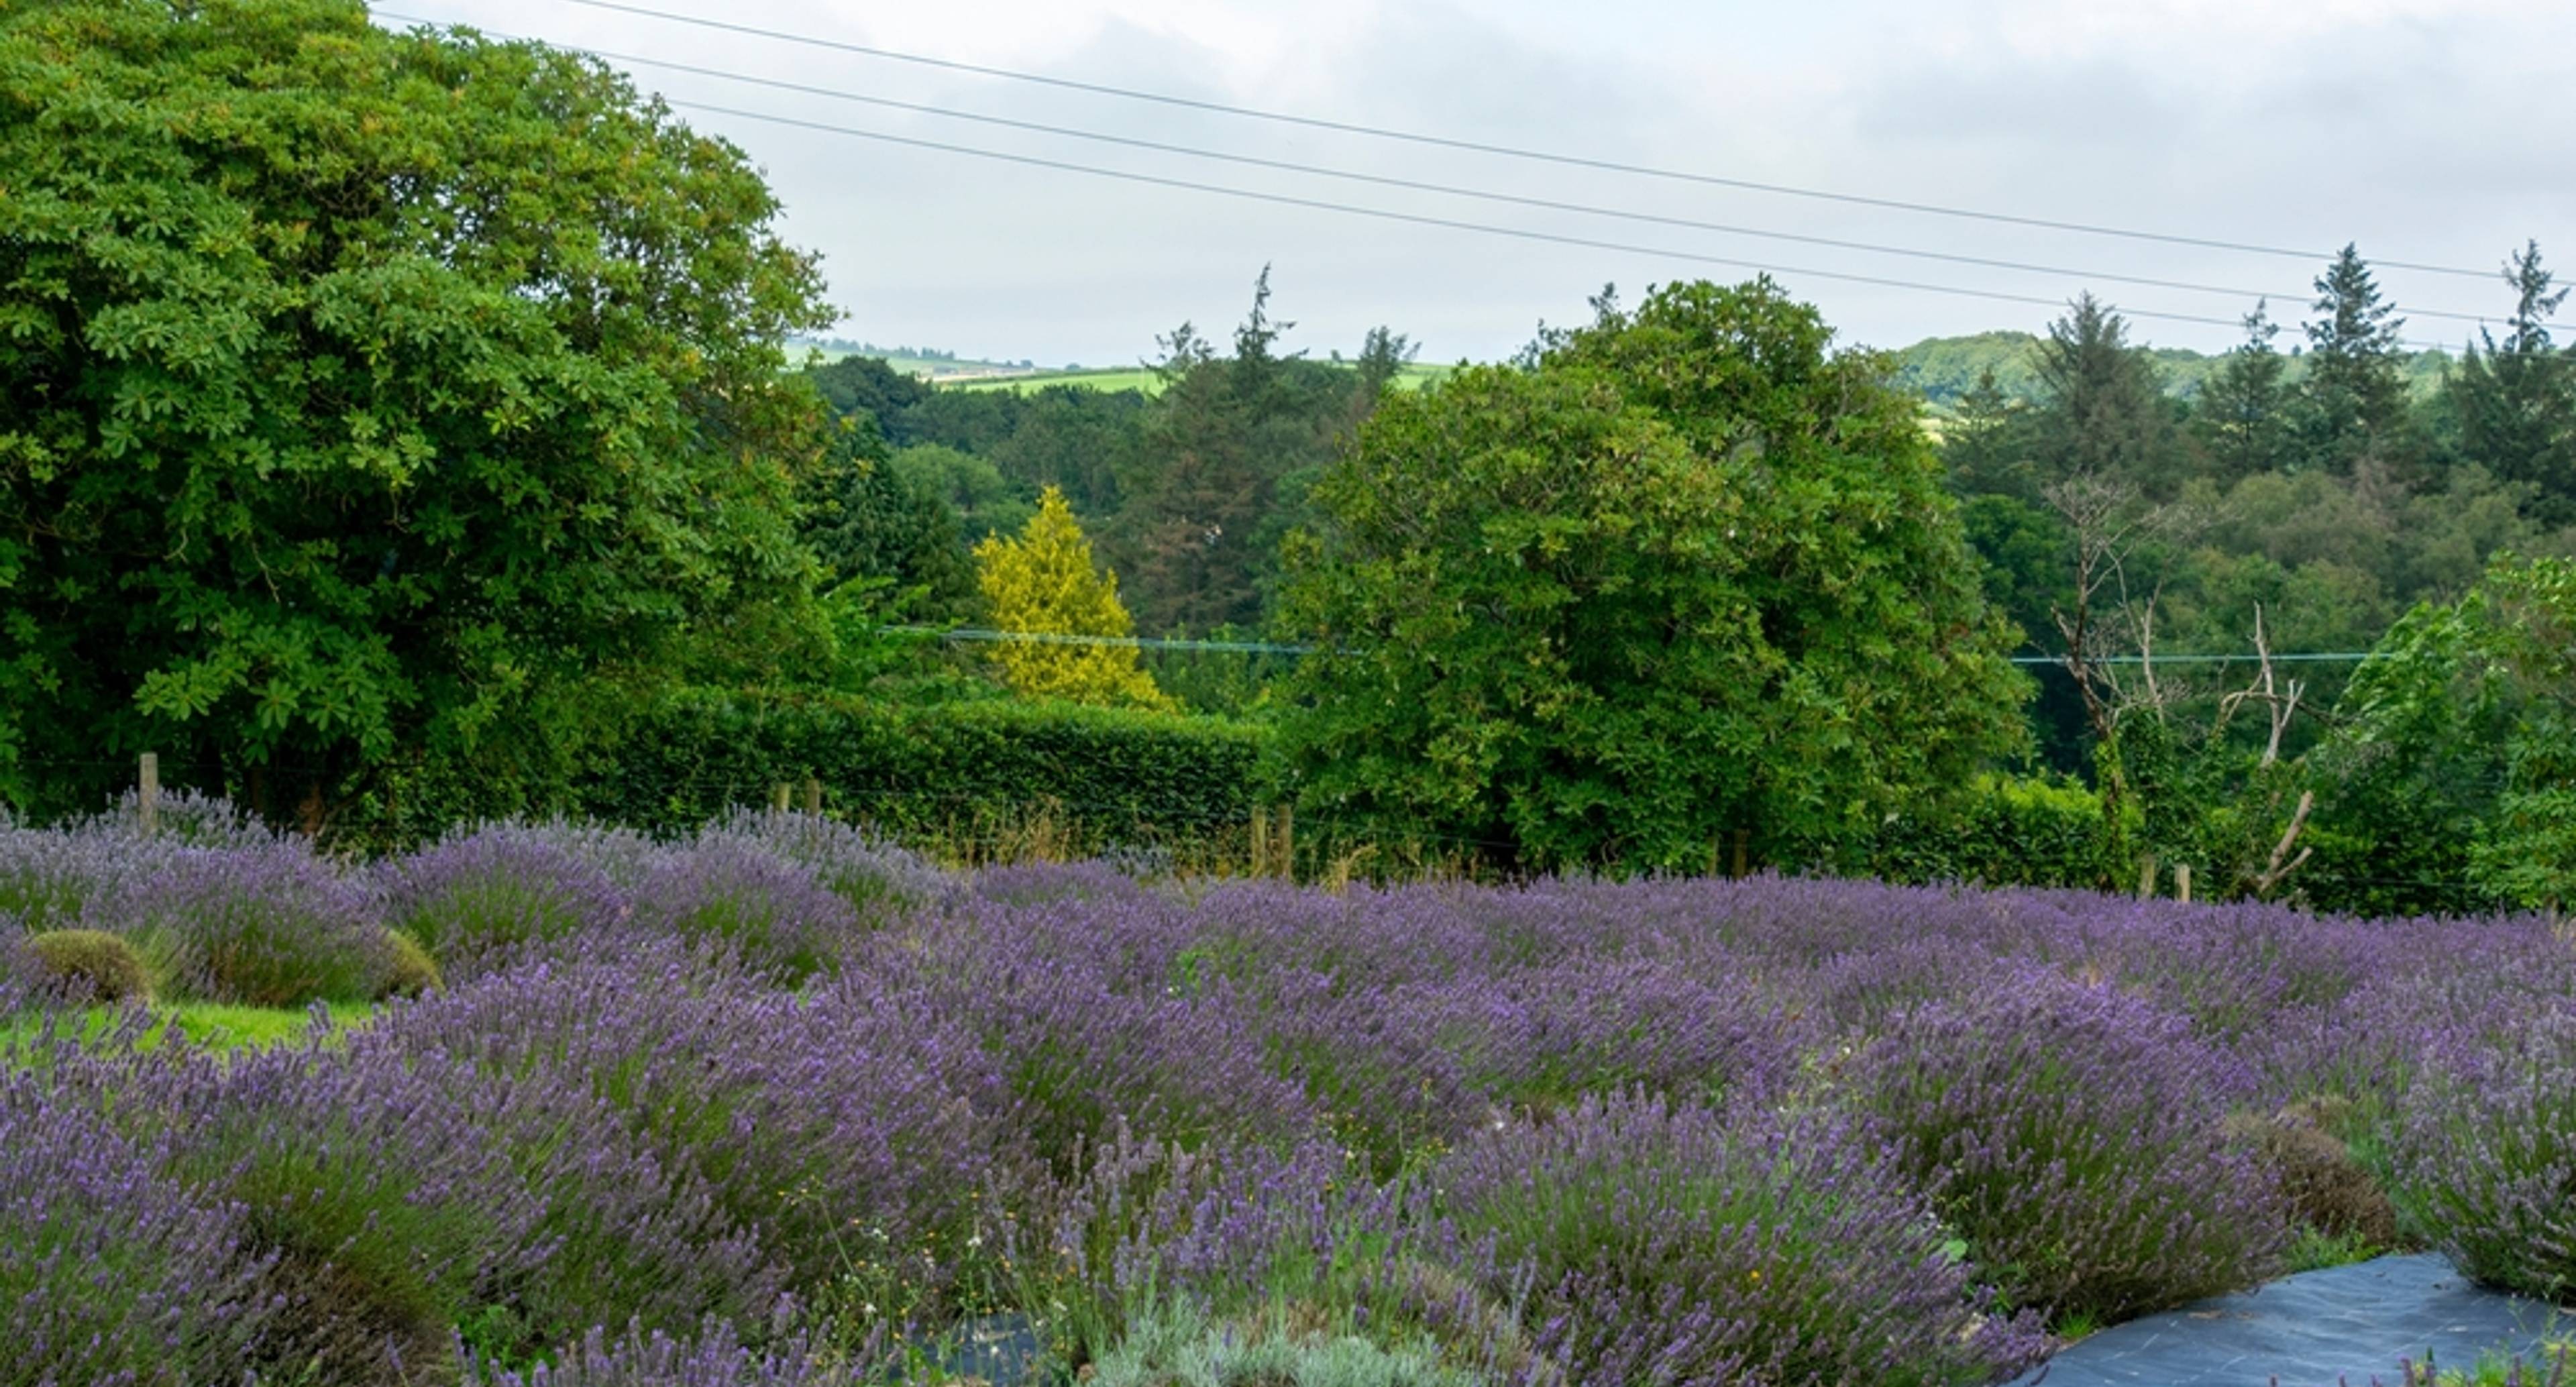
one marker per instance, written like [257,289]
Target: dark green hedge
[2005,831]
[1111,775]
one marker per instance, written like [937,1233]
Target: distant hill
[1941,369]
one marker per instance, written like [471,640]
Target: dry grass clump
[2303,1148]
[88,967]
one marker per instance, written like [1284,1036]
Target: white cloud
[2425,130]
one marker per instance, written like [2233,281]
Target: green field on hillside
[1412,377]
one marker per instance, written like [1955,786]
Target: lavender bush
[269,926]
[714,1357]
[1665,1243]
[777,914]
[2075,1136]
[498,893]
[877,878]
[781,1074]
[808,1121]
[116,1274]
[2485,1154]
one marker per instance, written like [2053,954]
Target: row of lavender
[795,1101]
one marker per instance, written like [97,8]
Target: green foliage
[1688,575]
[2243,417]
[973,489]
[2353,401]
[1221,467]
[412,972]
[870,525]
[367,392]
[2515,400]
[2455,734]
[1044,583]
[1112,776]
[89,966]
[2003,831]
[2102,410]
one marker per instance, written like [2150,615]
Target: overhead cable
[1509,151]
[1480,194]
[1450,223]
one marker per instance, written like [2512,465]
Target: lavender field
[780,1104]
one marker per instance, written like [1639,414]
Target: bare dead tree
[2112,527]
[2278,869]
[2280,698]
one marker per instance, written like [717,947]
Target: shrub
[2485,1153]
[1239,1225]
[499,892]
[414,971]
[775,914]
[1115,775]
[2072,1134]
[2327,1190]
[116,1273]
[87,966]
[2002,831]
[271,926]
[1180,1346]
[876,877]
[716,1357]
[806,1121]
[406,1189]
[1664,1242]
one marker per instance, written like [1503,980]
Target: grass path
[212,1025]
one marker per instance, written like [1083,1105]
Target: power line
[985,635]
[1446,223]
[1510,151]
[1454,190]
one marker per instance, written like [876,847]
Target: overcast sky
[2438,131]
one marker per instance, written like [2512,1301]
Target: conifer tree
[2515,400]
[1044,583]
[2103,411]
[2242,419]
[2354,397]
[1983,443]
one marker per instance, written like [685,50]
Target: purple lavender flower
[2074,1135]
[1667,1243]
[2485,1151]
[271,925]
[501,892]
[115,1272]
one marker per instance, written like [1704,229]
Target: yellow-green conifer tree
[1045,583]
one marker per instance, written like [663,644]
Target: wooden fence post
[2182,882]
[814,794]
[1284,843]
[780,795]
[148,796]
[1743,853]
[2147,879]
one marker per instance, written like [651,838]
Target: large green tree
[365,395]
[2515,400]
[1687,575]
[2102,408]
[2243,417]
[2353,401]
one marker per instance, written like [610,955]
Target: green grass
[214,1025]
[2313,1250]
[2556,1359]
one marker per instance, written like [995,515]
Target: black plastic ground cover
[2344,1325]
